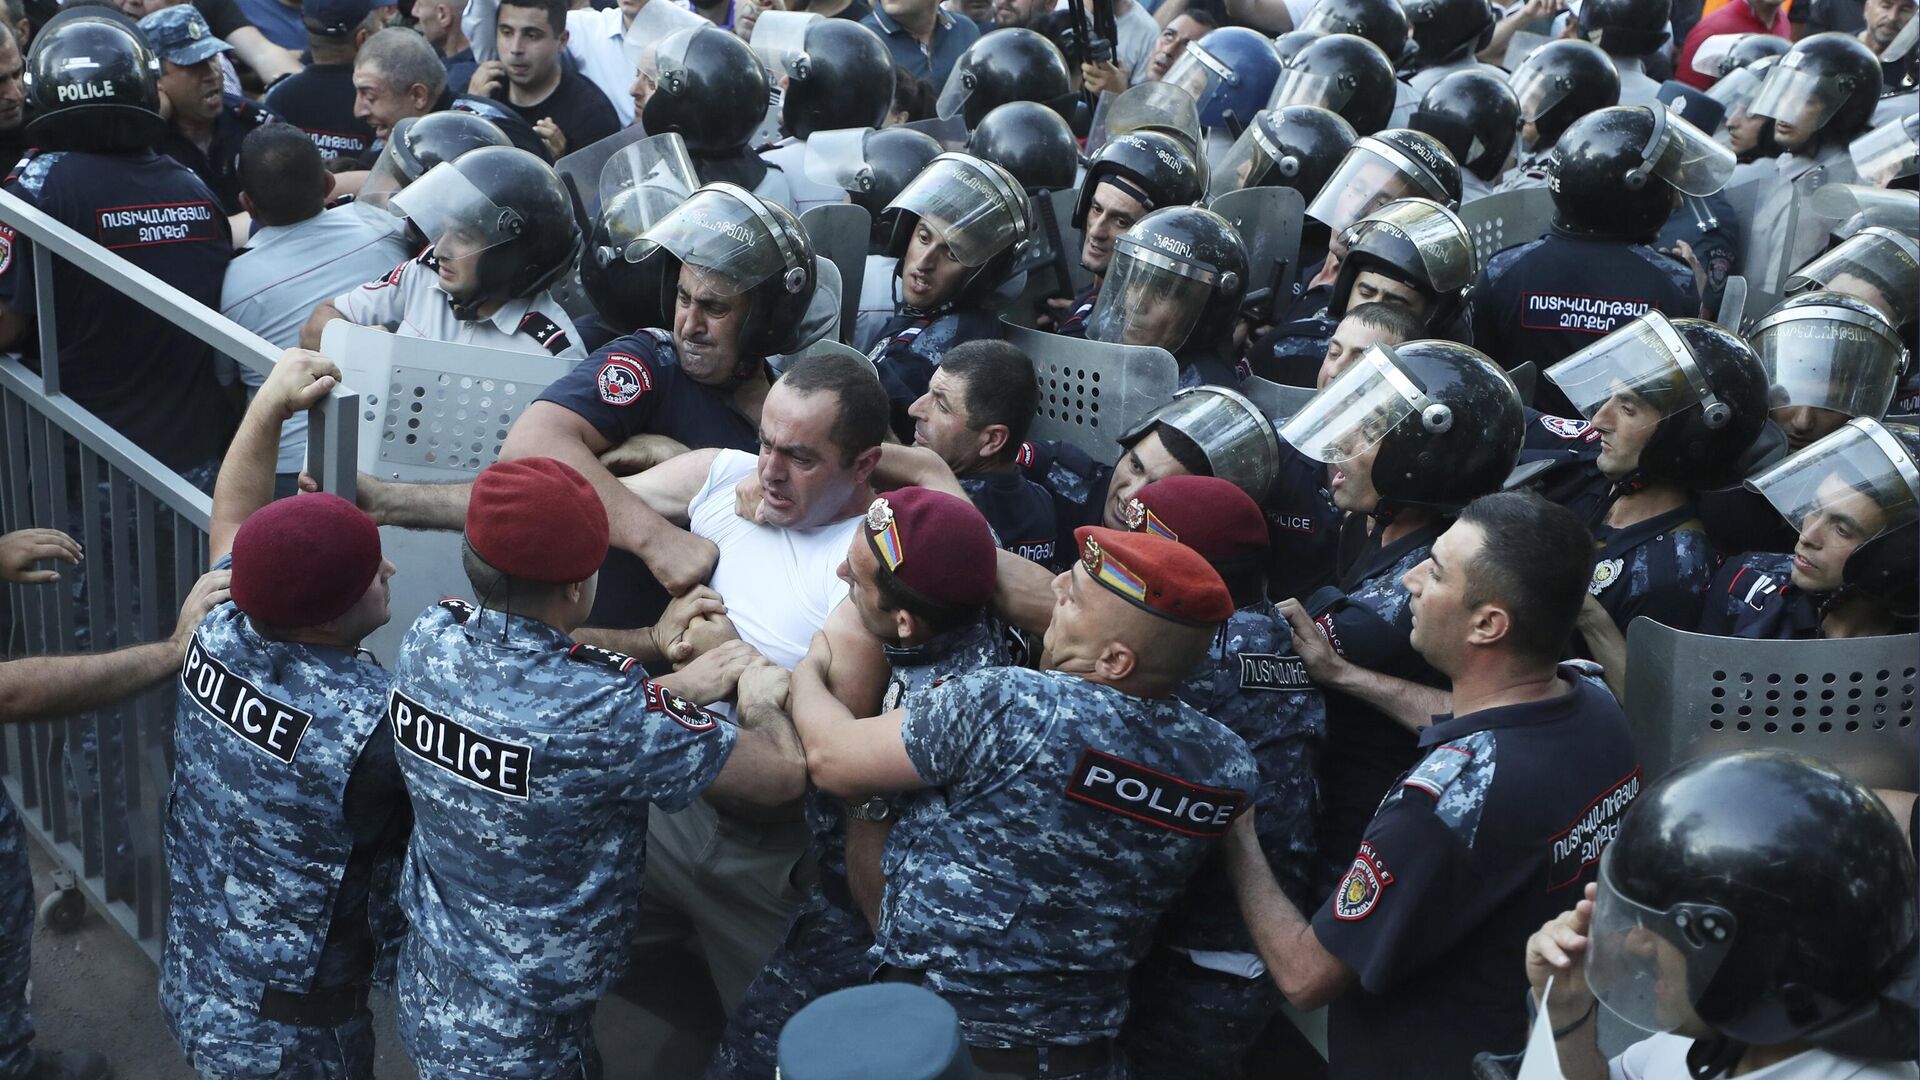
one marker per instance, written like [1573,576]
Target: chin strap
[1714,1056]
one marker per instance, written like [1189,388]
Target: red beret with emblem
[1210,515]
[935,544]
[1154,574]
[537,519]
[304,561]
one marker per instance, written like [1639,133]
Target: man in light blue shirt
[298,257]
[923,37]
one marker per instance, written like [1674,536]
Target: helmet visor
[1155,106]
[1797,96]
[1366,180]
[1247,163]
[718,232]
[387,176]
[1736,90]
[1198,73]
[1235,435]
[1298,86]
[839,159]
[1439,236]
[1649,966]
[1646,361]
[456,217]
[641,183]
[1714,57]
[1538,89]
[1324,20]
[1877,265]
[780,41]
[1687,157]
[954,94]
[1148,298]
[668,56]
[1356,410]
[1888,152]
[1860,480]
[1832,358]
[974,213]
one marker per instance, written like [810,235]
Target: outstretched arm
[245,484]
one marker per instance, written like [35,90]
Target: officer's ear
[1116,661]
[1491,624]
[904,625]
[993,439]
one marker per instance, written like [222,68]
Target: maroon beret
[304,561]
[1155,574]
[1210,515]
[539,520]
[937,545]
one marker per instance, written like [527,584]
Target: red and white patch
[1359,892]
[1025,455]
[1567,428]
[6,247]
[679,709]
[623,379]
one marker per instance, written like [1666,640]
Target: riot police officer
[1475,115]
[836,74]
[959,228]
[1628,31]
[1557,84]
[1175,282]
[712,90]
[1829,358]
[1132,175]
[1448,36]
[1032,142]
[1294,146]
[1851,497]
[1411,433]
[207,124]
[501,231]
[1343,73]
[1881,266]
[1617,175]
[417,144]
[1015,64]
[1697,931]
[1230,73]
[1381,22]
[873,168]
[1199,1000]
[1678,404]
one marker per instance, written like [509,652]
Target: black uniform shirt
[1753,596]
[319,101]
[636,385]
[1020,511]
[1078,485]
[1660,568]
[1497,829]
[219,163]
[1303,528]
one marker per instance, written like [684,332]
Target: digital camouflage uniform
[271,740]
[1187,1019]
[531,761]
[16,942]
[1073,815]
[828,941]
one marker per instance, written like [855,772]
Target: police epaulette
[462,611]
[606,658]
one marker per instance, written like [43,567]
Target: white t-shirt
[1664,1057]
[779,584]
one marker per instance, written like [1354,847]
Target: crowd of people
[808,698]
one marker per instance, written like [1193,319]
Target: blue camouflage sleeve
[678,747]
[959,732]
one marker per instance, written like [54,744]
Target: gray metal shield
[1733,304]
[839,234]
[1508,219]
[1093,392]
[1049,256]
[1268,221]
[1850,702]
[1278,400]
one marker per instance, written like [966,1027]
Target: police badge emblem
[885,534]
[1141,519]
[1359,891]
[1605,573]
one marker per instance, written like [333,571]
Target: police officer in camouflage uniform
[920,572]
[531,760]
[287,810]
[1202,998]
[1073,804]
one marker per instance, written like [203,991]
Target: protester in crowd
[396,75]
[319,100]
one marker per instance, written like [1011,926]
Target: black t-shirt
[1846,16]
[635,385]
[578,107]
[223,17]
[319,101]
[145,377]
[219,164]
[1495,830]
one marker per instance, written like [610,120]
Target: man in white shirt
[607,43]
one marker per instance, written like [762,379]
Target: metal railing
[93,788]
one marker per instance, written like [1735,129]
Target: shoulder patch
[599,657]
[489,764]
[462,611]
[679,709]
[541,328]
[1359,891]
[1605,573]
[6,247]
[1581,843]
[1271,671]
[1568,428]
[1119,786]
[393,276]
[1457,776]
[623,379]
[1753,588]
[1024,456]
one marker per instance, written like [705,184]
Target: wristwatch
[876,808]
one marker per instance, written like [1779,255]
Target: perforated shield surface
[1506,220]
[1092,392]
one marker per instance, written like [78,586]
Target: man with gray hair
[396,74]
[13,96]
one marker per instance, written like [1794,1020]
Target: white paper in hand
[1542,1061]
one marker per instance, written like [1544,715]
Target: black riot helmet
[503,206]
[1289,44]
[838,72]
[1395,164]
[418,143]
[93,83]
[1705,381]
[1032,142]
[1447,420]
[1347,74]
[1615,171]
[1743,50]
[1765,896]
[1829,83]
[1176,281]
[1560,82]
[709,88]
[1828,478]
[1015,64]
[977,209]
[872,167]
[1625,27]
[1417,242]
[756,247]
[639,184]
[1448,30]
[1154,168]
[1295,146]
[1383,22]
[1475,115]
